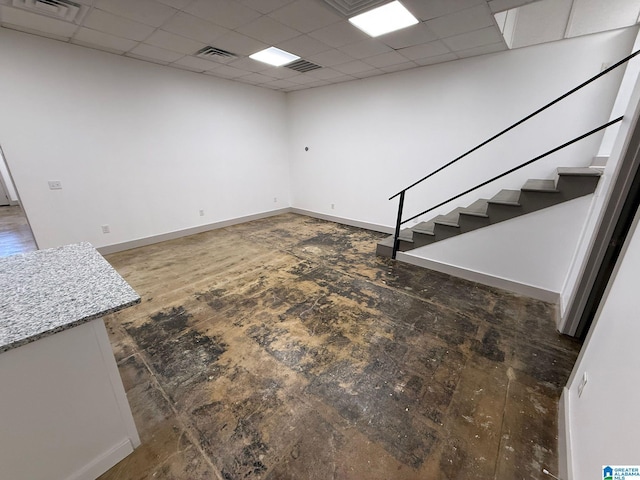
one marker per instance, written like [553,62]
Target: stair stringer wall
[541,244]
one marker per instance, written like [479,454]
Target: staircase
[535,195]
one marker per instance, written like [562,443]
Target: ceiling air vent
[212,53]
[302,66]
[349,8]
[60,9]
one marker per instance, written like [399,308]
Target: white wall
[137,146]
[368,139]
[603,423]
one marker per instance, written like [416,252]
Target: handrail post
[396,235]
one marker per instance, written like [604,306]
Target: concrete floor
[15,234]
[285,349]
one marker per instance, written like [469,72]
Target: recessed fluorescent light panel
[385,19]
[274,56]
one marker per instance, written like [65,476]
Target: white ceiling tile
[173,42]
[225,71]
[155,53]
[194,28]
[325,74]
[447,57]
[36,23]
[428,9]
[483,50]
[478,38]
[399,67]
[462,22]
[430,49]
[330,58]
[303,46]
[306,16]
[118,26]
[249,65]
[93,38]
[339,34]
[227,13]
[541,22]
[268,30]
[195,63]
[239,44]
[356,66]
[407,37]
[386,60]
[302,79]
[365,48]
[256,78]
[265,6]
[280,72]
[178,4]
[280,84]
[502,5]
[367,74]
[148,12]
[591,16]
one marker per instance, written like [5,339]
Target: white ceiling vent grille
[60,9]
[349,8]
[302,66]
[211,53]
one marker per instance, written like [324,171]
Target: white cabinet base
[64,414]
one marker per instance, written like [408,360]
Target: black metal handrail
[401,193]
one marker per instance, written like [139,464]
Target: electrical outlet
[106,229]
[55,185]
[202,213]
[583,382]
[333,206]
[275,199]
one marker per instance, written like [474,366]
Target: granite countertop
[47,291]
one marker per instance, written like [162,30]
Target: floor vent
[302,66]
[211,53]
[60,9]
[349,8]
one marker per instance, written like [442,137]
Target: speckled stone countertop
[47,291]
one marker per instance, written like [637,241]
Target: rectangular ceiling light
[385,19]
[274,56]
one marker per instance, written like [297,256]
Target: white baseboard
[344,221]
[483,278]
[163,237]
[104,462]
[565,468]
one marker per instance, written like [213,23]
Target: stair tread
[580,171]
[450,219]
[477,208]
[507,197]
[536,185]
[406,235]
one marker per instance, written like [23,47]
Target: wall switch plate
[333,206]
[583,382]
[202,213]
[275,199]
[55,185]
[106,229]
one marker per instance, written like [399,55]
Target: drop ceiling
[175,32]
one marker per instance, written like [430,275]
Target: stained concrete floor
[285,349]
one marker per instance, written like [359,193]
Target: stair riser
[534,201]
[471,222]
[445,231]
[574,187]
[384,251]
[499,213]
